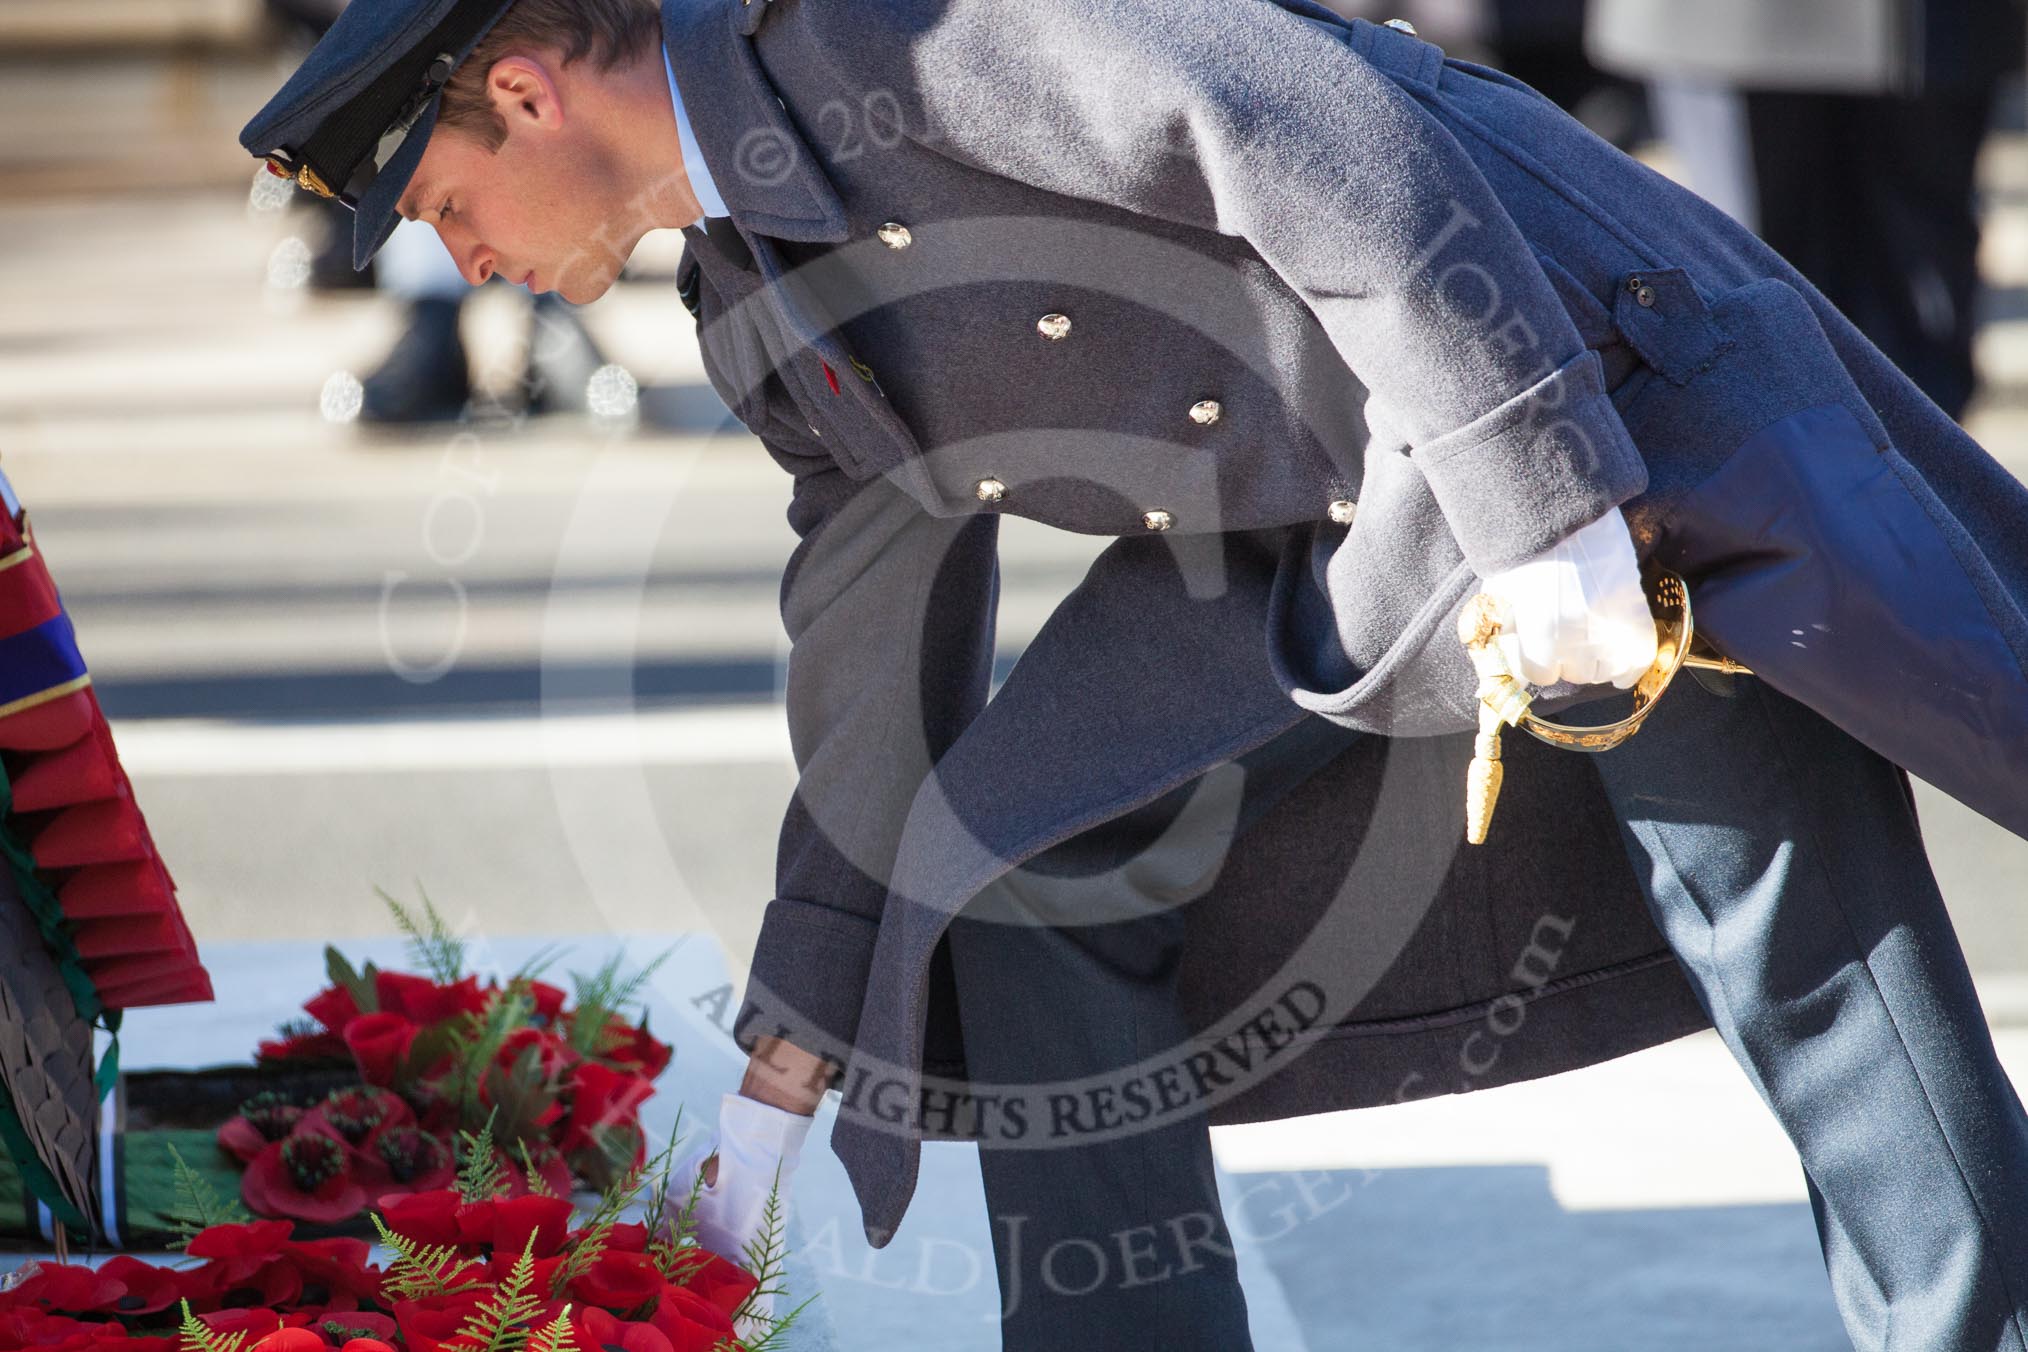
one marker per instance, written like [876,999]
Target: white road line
[731,734]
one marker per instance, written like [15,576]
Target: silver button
[894,235]
[1400,26]
[1053,326]
[1205,412]
[989,490]
[1343,510]
[1157,519]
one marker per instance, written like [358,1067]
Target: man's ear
[524,93]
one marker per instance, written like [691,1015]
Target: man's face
[542,209]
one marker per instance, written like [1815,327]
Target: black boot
[424,378]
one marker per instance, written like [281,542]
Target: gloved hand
[1577,611]
[757,1146]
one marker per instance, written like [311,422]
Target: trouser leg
[1106,1237]
[1783,863]
[1872,198]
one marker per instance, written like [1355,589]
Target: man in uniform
[1330,333]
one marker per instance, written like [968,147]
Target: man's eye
[444,211]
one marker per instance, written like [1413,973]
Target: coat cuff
[1545,463]
[810,967]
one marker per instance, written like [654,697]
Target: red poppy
[335,1272]
[378,1043]
[690,1322]
[548,1000]
[410,1157]
[553,1056]
[515,1219]
[333,1007]
[628,1237]
[256,1321]
[423,1001]
[275,1284]
[599,1329]
[239,1250]
[600,1098]
[550,1167]
[432,1323]
[618,1281]
[635,1049]
[367,1345]
[426,1217]
[291,1340]
[307,1177]
[475,1223]
[358,1113]
[148,1288]
[69,1287]
[724,1283]
[261,1121]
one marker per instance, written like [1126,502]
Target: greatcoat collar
[765,170]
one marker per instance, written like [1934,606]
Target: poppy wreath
[558,1077]
[70,829]
[477,1266]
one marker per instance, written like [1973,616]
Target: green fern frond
[602,996]
[198,1207]
[433,945]
[478,1043]
[194,1335]
[657,1172]
[530,1175]
[555,1336]
[765,1253]
[597,1229]
[420,1269]
[480,1177]
[500,1323]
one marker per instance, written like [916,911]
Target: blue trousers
[1811,930]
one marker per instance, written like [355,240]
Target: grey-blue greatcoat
[993,257]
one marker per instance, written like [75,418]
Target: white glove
[757,1145]
[1577,612]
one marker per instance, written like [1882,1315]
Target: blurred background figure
[426,374]
[1847,134]
[1538,41]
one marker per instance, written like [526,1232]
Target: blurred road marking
[732,734]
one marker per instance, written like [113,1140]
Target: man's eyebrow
[404,207]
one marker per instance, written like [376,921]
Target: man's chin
[584,285]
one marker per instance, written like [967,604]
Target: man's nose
[475,261]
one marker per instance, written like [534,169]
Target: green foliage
[602,997]
[501,1322]
[555,1336]
[520,1093]
[197,1205]
[194,1335]
[765,1253]
[479,1174]
[477,1043]
[365,995]
[532,1176]
[596,1228]
[420,1269]
[432,945]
